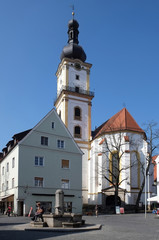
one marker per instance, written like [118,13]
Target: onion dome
[73,50]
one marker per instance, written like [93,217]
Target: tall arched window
[114,166]
[135,169]
[77,113]
[77,132]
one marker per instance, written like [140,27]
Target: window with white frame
[7,166]
[38,182]
[2,170]
[44,140]
[7,185]
[12,182]
[13,162]
[2,187]
[39,161]
[65,184]
[60,143]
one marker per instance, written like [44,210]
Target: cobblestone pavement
[114,227]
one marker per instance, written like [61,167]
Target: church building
[62,150]
[99,170]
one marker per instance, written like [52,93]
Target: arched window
[135,169]
[77,113]
[77,132]
[114,167]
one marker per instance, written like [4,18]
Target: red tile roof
[121,121]
[155,167]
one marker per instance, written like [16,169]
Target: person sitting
[39,213]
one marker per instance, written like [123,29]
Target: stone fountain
[61,219]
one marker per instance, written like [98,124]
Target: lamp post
[145,188]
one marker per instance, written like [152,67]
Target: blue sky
[120,38]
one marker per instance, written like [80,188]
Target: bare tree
[115,146]
[152,133]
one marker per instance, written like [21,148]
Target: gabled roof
[62,125]
[21,135]
[121,121]
[18,138]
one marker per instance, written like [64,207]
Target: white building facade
[39,162]
[73,104]
[133,149]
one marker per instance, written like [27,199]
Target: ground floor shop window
[68,207]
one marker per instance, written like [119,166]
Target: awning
[153,199]
[9,197]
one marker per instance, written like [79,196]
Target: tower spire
[73,12]
[73,50]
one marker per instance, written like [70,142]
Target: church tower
[74,98]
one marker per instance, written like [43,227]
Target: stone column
[59,202]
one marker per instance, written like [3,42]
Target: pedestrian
[9,210]
[96,210]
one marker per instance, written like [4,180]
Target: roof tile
[119,122]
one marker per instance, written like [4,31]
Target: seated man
[39,213]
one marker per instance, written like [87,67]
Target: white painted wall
[25,170]
[12,173]
[82,78]
[136,143]
[83,123]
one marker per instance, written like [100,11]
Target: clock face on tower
[77,66]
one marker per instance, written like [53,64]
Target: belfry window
[77,113]
[77,77]
[77,132]
[77,89]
